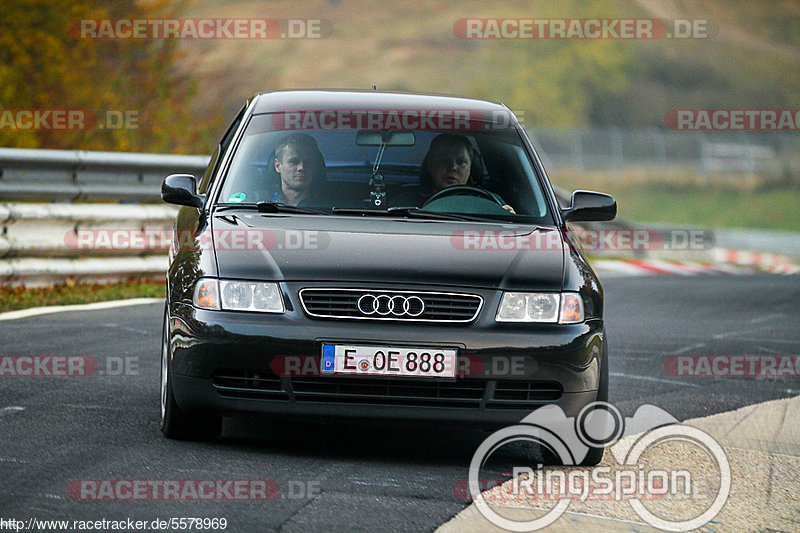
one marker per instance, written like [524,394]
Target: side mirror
[590,206]
[181,189]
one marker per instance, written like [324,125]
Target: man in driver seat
[300,168]
[448,163]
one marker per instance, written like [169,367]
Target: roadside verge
[762,444]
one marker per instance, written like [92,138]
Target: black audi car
[367,254]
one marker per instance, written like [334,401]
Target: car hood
[387,251]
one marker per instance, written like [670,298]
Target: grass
[775,209]
[685,200]
[710,207]
[13,298]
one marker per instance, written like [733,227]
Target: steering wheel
[464,190]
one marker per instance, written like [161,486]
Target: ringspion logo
[601,425]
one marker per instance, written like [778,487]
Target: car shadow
[382,440]
[417,442]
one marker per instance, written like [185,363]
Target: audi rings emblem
[396,306]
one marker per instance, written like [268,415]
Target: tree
[46,66]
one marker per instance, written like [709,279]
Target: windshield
[484,172]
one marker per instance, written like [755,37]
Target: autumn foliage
[44,66]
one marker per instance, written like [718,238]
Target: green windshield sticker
[237,197]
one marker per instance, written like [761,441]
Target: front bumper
[224,362]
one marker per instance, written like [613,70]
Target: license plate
[388,361]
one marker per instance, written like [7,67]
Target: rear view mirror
[590,206]
[391,138]
[181,189]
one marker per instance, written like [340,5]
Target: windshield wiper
[278,207]
[414,212]
[273,207]
[417,212]
[422,213]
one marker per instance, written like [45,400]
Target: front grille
[390,392]
[247,384]
[520,394]
[344,304]
[462,393]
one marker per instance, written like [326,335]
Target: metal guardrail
[68,176]
[729,154]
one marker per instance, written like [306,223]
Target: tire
[176,423]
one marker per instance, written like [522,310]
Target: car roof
[277,101]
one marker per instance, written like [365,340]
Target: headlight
[238,296]
[566,308]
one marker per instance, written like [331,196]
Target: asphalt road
[54,431]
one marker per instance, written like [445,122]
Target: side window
[206,179]
[205,182]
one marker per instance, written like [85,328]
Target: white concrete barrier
[40,241]
[43,244]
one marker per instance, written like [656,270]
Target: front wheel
[176,423]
